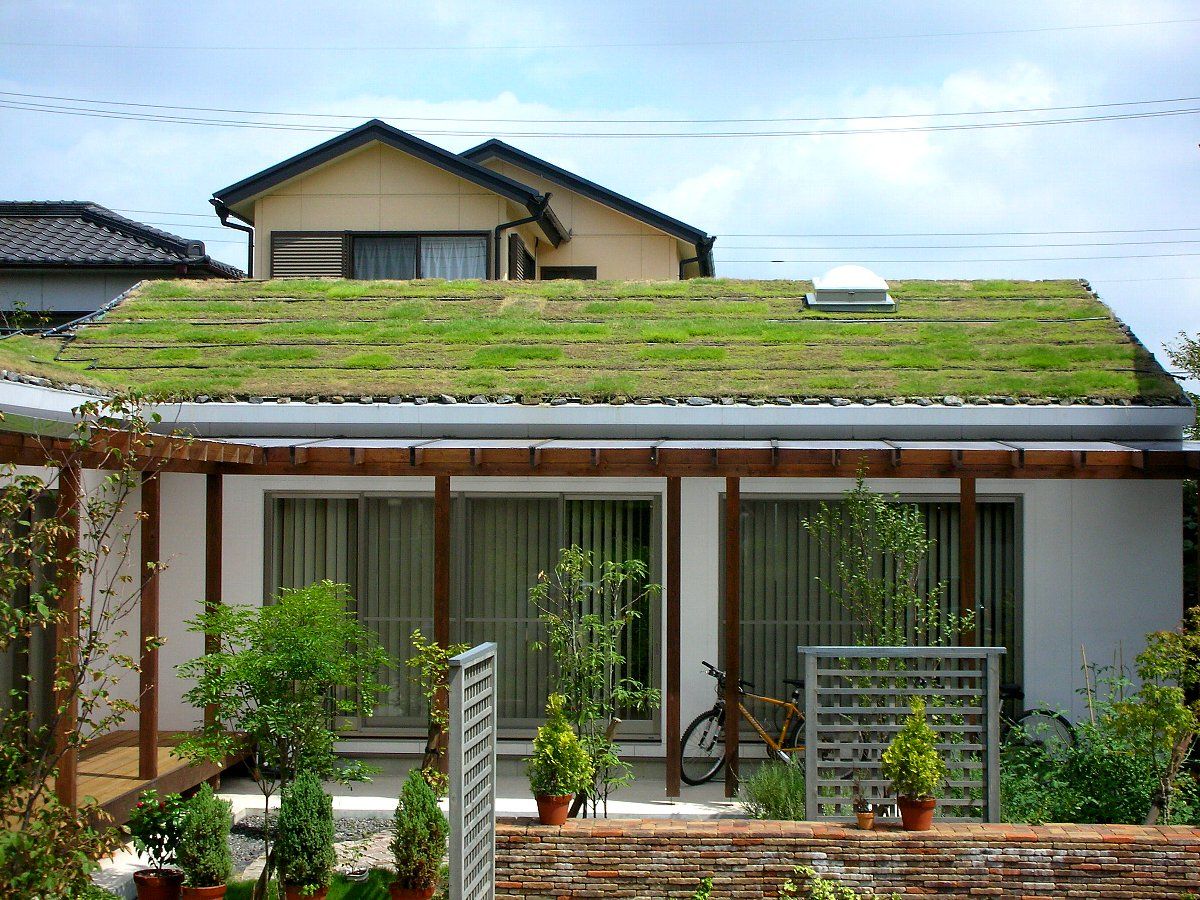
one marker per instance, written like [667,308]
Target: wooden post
[151,555]
[967,519]
[733,629]
[674,761]
[70,496]
[213,558]
[441,598]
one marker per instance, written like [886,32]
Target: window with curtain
[454,257]
[783,604]
[383,548]
[377,258]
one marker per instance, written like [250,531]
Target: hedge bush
[304,852]
[204,840]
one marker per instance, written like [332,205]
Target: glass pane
[509,540]
[453,257]
[376,258]
[397,595]
[314,538]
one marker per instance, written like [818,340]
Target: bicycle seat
[795,682]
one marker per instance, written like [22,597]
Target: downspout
[223,215]
[703,249]
[543,205]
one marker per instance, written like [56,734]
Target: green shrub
[421,833]
[807,883]
[911,762]
[560,765]
[704,890]
[154,825]
[204,840]
[304,848]
[775,790]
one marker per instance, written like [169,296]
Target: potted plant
[304,843]
[863,811]
[419,842]
[915,768]
[154,824]
[203,855]
[560,766]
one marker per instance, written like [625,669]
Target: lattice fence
[473,774]
[856,699]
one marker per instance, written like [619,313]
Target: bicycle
[1038,725]
[702,749]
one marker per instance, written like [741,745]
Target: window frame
[573,277]
[351,236]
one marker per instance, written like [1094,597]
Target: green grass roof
[598,340]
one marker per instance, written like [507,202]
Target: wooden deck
[108,771]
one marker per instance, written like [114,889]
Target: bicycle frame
[792,713]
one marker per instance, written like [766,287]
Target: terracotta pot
[553,810]
[158,884]
[403,893]
[917,815]
[292,892]
[866,821]
[216,892]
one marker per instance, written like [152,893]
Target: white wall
[1102,562]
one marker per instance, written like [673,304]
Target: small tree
[47,849]
[203,853]
[585,621]
[305,846]
[430,671]
[421,832]
[560,766]
[284,679]
[912,762]
[1163,717]
[880,546]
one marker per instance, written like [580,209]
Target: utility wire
[20,97]
[756,42]
[92,112]
[804,262]
[965,246]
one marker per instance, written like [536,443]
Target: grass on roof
[598,340]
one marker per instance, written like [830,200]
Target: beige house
[377,202]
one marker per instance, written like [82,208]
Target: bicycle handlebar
[720,675]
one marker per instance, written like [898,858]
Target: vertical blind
[784,603]
[383,548]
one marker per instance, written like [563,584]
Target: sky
[909,204]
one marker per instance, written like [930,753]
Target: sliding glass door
[382,546]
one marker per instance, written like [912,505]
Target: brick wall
[655,858]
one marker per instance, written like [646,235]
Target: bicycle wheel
[1045,727]
[703,747]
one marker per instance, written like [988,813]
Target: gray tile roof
[79,233]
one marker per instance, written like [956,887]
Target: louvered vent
[314,255]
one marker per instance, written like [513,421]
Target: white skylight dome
[850,288]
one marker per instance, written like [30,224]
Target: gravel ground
[245,839]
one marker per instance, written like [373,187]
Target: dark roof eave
[215,267]
[376,130]
[497,149]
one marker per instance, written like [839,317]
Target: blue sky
[410,63]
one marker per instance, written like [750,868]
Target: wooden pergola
[673,460]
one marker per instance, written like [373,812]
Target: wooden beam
[674,760]
[151,555]
[70,497]
[214,551]
[967,523]
[441,560]
[733,629]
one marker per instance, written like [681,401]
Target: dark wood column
[674,763]
[214,535]
[441,560]
[151,555]
[967,519]
[70,496]
[733,629]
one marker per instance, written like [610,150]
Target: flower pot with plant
[915,768]
[419,840]
[560,766]
[864,812]
[155,825]
[304,844]
[203,855]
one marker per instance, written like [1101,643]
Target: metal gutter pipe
[543,206]
[223,213]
